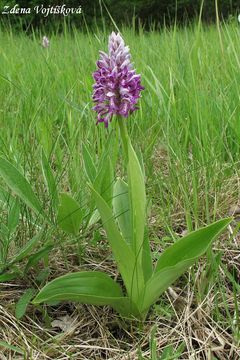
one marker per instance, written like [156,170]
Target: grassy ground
[188,132]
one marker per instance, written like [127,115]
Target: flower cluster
[117,86]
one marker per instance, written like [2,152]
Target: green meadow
[186,134]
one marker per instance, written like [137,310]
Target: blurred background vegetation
[148,13]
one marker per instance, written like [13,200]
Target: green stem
[124,135]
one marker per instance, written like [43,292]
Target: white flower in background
[45,42]
[239,18]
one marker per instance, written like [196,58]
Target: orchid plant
[117,89]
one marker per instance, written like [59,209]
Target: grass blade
[20,186]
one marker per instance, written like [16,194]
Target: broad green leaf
[20,186]
[13,216]
[88,287]
[121,209]
[27,248]
[95,217]
[89,166]
[147,257]
[192,245]
[69,214]
[9,276]
[23,302]
[4,231]
[49,179]
[35,258]
[178,258]
[130,270]
[4,344]
[137,198]
[160,282]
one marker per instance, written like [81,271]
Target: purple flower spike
[117,87]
